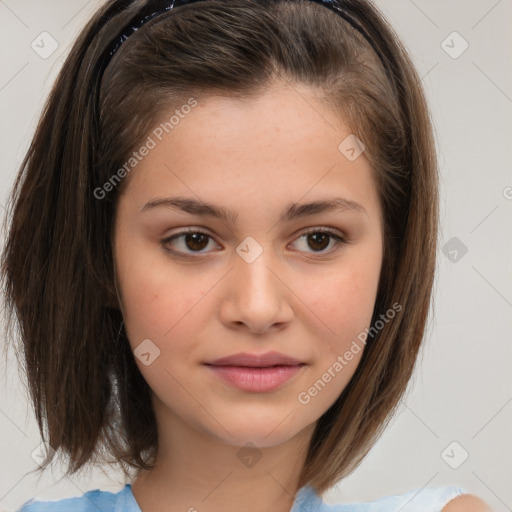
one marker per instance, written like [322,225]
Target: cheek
[157,300]
[162,306]
[344,300]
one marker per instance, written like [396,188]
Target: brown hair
[57,265]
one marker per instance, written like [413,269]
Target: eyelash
[333,234]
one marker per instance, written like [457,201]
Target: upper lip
[256,360]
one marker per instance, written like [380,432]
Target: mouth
[256,373]
[266,360]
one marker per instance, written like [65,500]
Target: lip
[257,373]
[256,360]
[256,380]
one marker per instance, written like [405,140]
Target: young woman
[221,253]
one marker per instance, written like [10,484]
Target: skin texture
[467,503]
[308,299]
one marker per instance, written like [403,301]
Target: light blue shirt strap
[126,501]
[416,500]
[306,500]
[91,501]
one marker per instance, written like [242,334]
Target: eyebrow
[293,211]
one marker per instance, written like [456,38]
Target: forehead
[279,147]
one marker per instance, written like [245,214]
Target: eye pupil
[323,236]
[193,237]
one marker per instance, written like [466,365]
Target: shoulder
[91,501]
[467,503]
[436,499]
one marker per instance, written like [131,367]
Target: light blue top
[306,500]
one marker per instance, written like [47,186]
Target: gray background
[462,389]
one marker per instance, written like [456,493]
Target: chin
[264,432]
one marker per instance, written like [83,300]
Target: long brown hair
[90,400]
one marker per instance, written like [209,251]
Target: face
[271,275]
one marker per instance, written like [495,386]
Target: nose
[256,296]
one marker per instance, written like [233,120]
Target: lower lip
[257,380]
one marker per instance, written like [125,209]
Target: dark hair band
[157,7]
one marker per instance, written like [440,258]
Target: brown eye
[196,241]
[188,242]
[319,239]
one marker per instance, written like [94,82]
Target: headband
[154,8]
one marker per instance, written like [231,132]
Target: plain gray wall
[462,389]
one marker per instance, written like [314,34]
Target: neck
[195,472]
